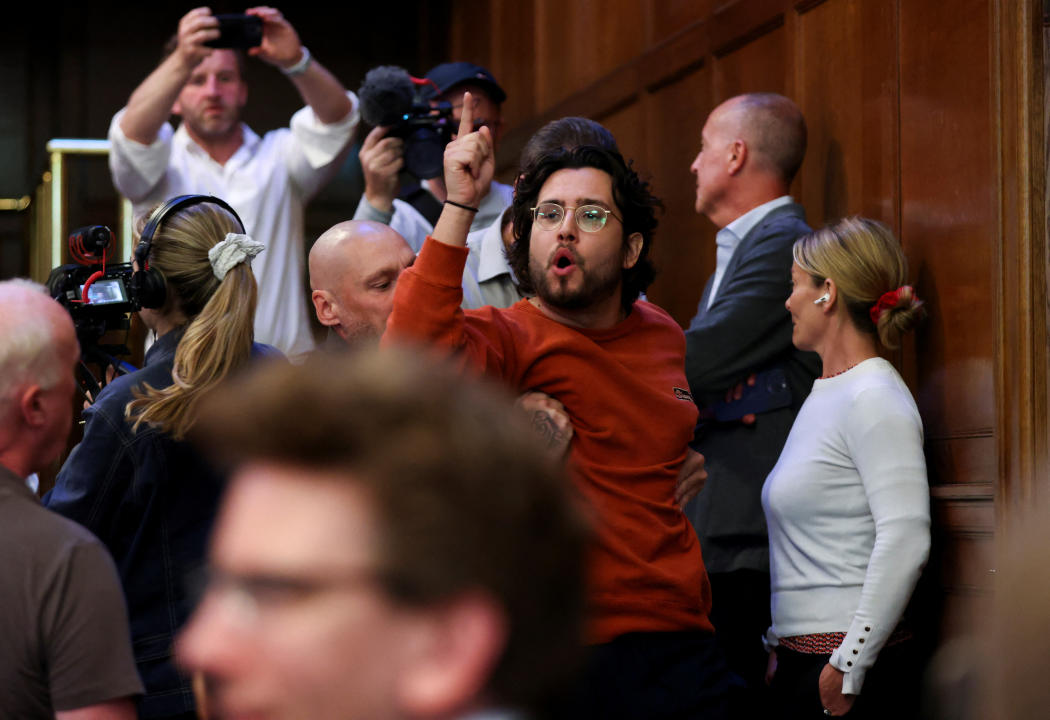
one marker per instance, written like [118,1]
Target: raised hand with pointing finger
[469,161]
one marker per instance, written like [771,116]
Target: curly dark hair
[637,206]
[566,132]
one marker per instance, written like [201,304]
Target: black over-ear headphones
[147,284]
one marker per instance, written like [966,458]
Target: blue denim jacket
[152,501]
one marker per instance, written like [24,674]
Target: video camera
[391,97]
[98,296]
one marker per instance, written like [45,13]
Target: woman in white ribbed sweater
[847,504]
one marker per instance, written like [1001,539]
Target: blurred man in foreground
[406,552]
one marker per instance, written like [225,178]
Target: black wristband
[461,205]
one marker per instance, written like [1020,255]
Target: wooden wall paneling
[830,94]
[616,32]
[1045,264]
[627,126]
[961,569]
[675,57]
[970,461]
[949,223]
[966,559]
[684,251]
[949,227]
[472,32]
[667,18]
[961,566]
[846,86]
[579,42]
[554,48]
[738,23]
[601,99]
[880,76]
[760,65]
[513,39]
[1022,318]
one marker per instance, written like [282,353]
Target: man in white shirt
[267,180]
[753,145]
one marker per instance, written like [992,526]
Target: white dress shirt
[729,237]
[267,181]
[488,279]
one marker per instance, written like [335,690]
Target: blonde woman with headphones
[134,480]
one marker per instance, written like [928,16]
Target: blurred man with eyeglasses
[407,552]
[583,223]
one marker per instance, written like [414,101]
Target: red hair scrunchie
[888,300]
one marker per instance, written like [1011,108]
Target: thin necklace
[825,377]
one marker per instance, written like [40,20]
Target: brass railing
[15,204]
[49,218]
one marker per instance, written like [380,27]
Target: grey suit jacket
[746,330]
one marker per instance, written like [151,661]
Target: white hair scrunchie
[234,249]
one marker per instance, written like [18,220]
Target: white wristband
[300,67]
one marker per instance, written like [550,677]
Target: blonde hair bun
[902,317]
[866,262]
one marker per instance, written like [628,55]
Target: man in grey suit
[752,146]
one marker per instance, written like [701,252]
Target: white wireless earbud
[822,299]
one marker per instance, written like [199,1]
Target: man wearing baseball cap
[411,211]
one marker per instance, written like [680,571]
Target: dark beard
[598,285]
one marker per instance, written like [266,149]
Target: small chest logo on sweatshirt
[682,394]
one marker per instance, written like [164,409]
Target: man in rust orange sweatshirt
[584,223]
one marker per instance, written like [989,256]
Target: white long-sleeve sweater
[848,511]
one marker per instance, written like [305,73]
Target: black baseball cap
[449,75]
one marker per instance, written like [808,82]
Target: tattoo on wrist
[544,426]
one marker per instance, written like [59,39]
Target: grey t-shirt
[63,621]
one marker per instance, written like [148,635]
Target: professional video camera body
[390,96]
[98,296]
